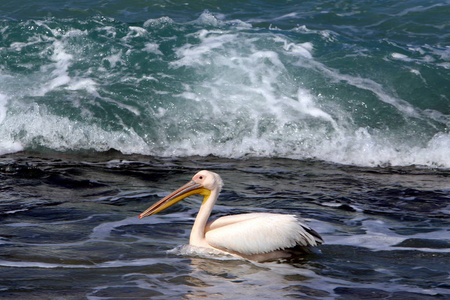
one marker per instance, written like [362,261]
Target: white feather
[256,233]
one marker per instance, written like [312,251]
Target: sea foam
[215,86]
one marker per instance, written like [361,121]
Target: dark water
[347,82]
[69,229]
[336,110]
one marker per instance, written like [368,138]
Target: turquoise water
[337,111]
[345,82]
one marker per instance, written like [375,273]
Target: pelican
[253,236]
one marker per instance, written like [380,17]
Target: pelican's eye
[200,177]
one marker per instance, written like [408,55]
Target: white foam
[3,103]
[370,85]
[208,19]
[307,106]
[137,31]
[195,55]
[160,22]
[83,84]
[59,73]
[10,147]
[269,114]
[303,49]
[399,56]
[152,48]
[217,20]
[244,96]
[115,59]
[61,133]
[7,145]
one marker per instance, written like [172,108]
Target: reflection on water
[69,229]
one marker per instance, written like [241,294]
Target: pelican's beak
[190,188]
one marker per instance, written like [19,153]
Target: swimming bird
[253,236]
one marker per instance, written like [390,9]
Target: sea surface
[338,111]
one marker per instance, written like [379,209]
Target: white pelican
[253,236]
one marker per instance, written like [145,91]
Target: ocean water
[344,82]
[338,111]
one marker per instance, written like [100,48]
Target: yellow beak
[190,188]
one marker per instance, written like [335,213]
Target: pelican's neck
[197,237]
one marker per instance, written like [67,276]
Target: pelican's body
[254,236]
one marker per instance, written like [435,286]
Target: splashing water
[217,86]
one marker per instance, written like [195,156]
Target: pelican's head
[210,180]
[203,183]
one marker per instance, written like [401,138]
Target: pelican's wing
[257,233]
